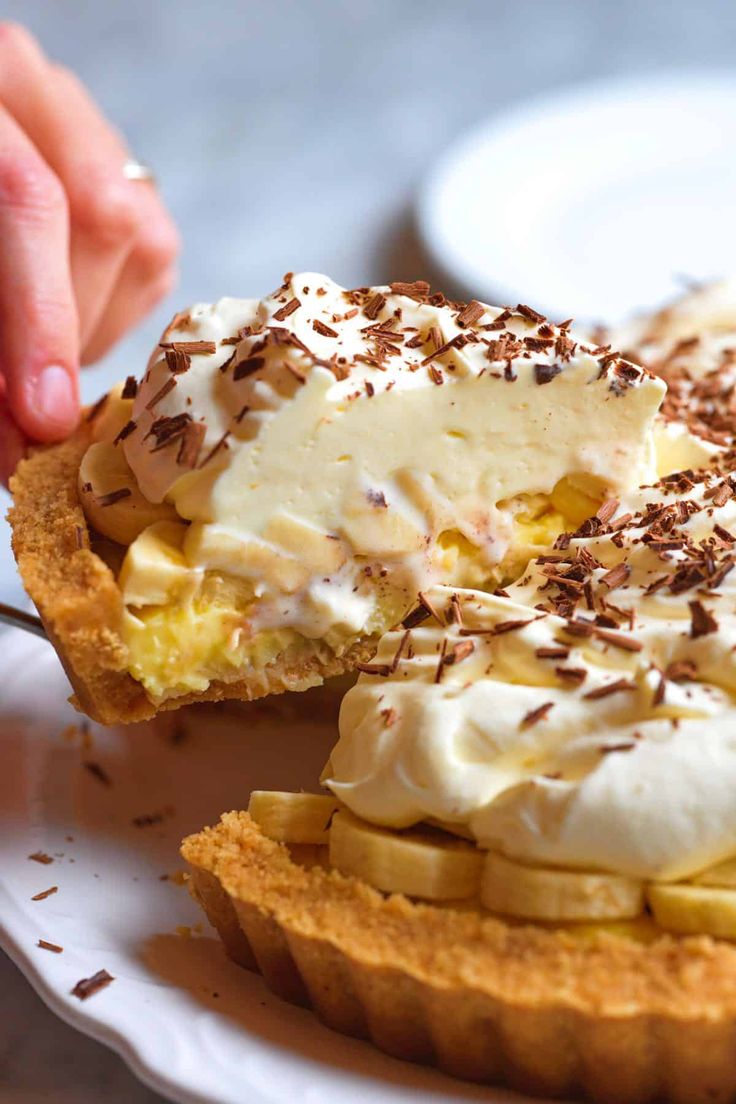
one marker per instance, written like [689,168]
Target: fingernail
[55,396]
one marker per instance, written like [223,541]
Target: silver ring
[138,170]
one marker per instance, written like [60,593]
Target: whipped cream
[691,344]
[320,435]
[585,716]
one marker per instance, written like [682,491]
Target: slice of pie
[524,868]
[289,473]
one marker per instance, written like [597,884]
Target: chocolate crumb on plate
[45,893]
[87,987]
[41,857]
[97,772]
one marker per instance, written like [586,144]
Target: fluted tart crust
[541,1009]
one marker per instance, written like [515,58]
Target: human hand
[84,253]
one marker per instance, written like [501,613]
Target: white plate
[188,1021]
[593,202]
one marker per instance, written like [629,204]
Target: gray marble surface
[291,134]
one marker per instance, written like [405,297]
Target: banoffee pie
[523,868]
[289,473]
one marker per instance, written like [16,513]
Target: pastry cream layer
[584,721]
[329,453]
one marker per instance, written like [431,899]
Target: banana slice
[114,413]
[577,498]
[292,817]
[155,571]
[723,875]
[419,863]
[110,497]
[694,910]
[537,893]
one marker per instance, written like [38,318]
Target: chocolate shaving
[221,444]
[323,329]
[454,611]
[545,373]
[189,348]
[167,429]
[606,749]
[283,313]
[400,650]
[616,576]
[574,675]
[606,511]
[97,772]
[148,820]
[529,313]
[41,857]
[130,388]
[416,616]
[191,444]
[247,367]
[161,393]
[425,602]
[375,305]
[510,626]
[441,662]
[87,987]
[681,670]
[417,290]
[376,498]
[112,497]
[177,362]
[552,653]
[610,688]
[459,652]
[45,893]
[126,431]
[390,717]
[721,495]
[381,669]
[626,643]
[701,621]
[46,946]
[470,313]
[536,715]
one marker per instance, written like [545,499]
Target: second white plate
[596,201]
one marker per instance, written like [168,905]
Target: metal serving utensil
[19,619]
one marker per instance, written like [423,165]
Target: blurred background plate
[594,202]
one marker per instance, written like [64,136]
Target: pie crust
[81,606]
[540,1009]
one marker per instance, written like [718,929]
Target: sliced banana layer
[419,863]
[428,863]
[298,818]
[694,909]
[536,893]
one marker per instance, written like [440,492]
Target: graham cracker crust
[538,1009]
